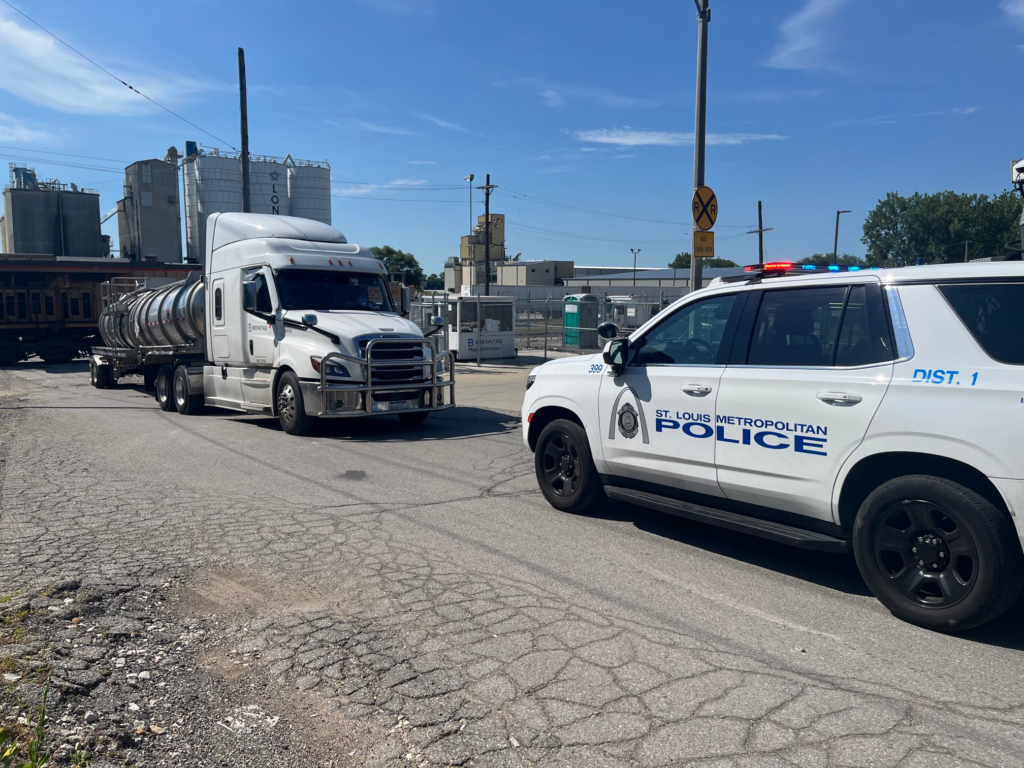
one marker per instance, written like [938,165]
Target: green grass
[33,754]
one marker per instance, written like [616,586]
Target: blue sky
[813,106]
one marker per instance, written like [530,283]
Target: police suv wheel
[565,468]
[937,554]
[164,385]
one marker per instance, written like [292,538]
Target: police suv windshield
[323,290]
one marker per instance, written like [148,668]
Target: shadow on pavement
[459,423]
[35,364]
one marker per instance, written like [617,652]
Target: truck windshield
[320,289]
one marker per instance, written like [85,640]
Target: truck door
[657,419]
[219,332]
[809,371]
[261,342]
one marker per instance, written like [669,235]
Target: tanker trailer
[288,319]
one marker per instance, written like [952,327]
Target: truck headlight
[333,368]
[530,379]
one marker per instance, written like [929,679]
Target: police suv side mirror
[608,330]
[616,354]
[249,296]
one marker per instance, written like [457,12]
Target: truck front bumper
[342,401]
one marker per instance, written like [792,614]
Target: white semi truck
[287,318]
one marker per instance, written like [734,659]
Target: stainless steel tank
[171,316]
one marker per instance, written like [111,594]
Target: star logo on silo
[274,175]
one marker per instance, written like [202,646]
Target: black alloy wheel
[937,553]
[565,468]
[927,553]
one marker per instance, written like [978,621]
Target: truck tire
[149,374]
[937,554]
[414,419]
[164,386]
[565,468]
[291,410]
[99,375]
[186,401]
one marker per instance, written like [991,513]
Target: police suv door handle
[839,398]
[697,390]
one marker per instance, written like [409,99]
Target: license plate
[396,405]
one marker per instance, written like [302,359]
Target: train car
[50,305]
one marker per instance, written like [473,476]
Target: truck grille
[413,351]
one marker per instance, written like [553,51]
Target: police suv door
[657,418]
[808,371]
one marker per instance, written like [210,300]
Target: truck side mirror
[405,301]
[616,354]
[249,296]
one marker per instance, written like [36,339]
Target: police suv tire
[185,401]
[291,410]
[565,468]
[415,418]
[164,384]
[997,564]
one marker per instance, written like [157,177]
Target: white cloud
[627,137]
[892,119]
[1014,9]
[20,132]
[422,162]
[622,157]
[552,98]
[355,190]
[43,72]
[391,131]
[443,123]
[555,94]
[804,43]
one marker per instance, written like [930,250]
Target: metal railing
[364,393]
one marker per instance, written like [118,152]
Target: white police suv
[878,411]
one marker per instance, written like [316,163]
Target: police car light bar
[787,267]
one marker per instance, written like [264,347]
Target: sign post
[705,213]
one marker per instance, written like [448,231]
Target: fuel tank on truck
[170,316]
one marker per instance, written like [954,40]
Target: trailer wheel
[164,383]
[186,401]
[99,375]
[291,410]
[149,374]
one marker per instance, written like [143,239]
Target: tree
[717,263]
[933,228]
[396,261]
[845,259]
[682,261]
[434,282]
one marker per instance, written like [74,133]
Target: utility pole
[703,18]
[244,108]
[470,180]
[835,247]
[635,252]
[761,229]
[487,233]
[966,244]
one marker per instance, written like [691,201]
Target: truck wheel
[164,383]
[99,375]
[414,419]
[149,374]
[565,468]
[186,401]
[937,554]
[291,410]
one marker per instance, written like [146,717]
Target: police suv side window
[691,336]
[864,336]
[797,327]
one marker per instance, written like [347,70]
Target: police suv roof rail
[754,273]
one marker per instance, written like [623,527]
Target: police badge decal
[628,422]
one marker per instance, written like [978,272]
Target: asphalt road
[484,626]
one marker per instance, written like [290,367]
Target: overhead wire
[118,79]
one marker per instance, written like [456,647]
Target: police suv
[873,411]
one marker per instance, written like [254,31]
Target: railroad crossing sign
[704,244]
[705,208]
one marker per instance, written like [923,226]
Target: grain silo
[268,184]
[309,190]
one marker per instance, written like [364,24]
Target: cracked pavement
[410,589]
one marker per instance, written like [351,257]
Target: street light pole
[470,180]
[703,18]
[635,252]
[835,247]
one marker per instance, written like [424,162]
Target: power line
[63,154]
[531,198]
[63,163]
[398,199]
[516,225]
[107,71]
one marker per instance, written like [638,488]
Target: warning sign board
[705,208]
[704,245]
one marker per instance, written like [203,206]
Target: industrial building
[649,279]
[149,216]
[279,186]
[49,217]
